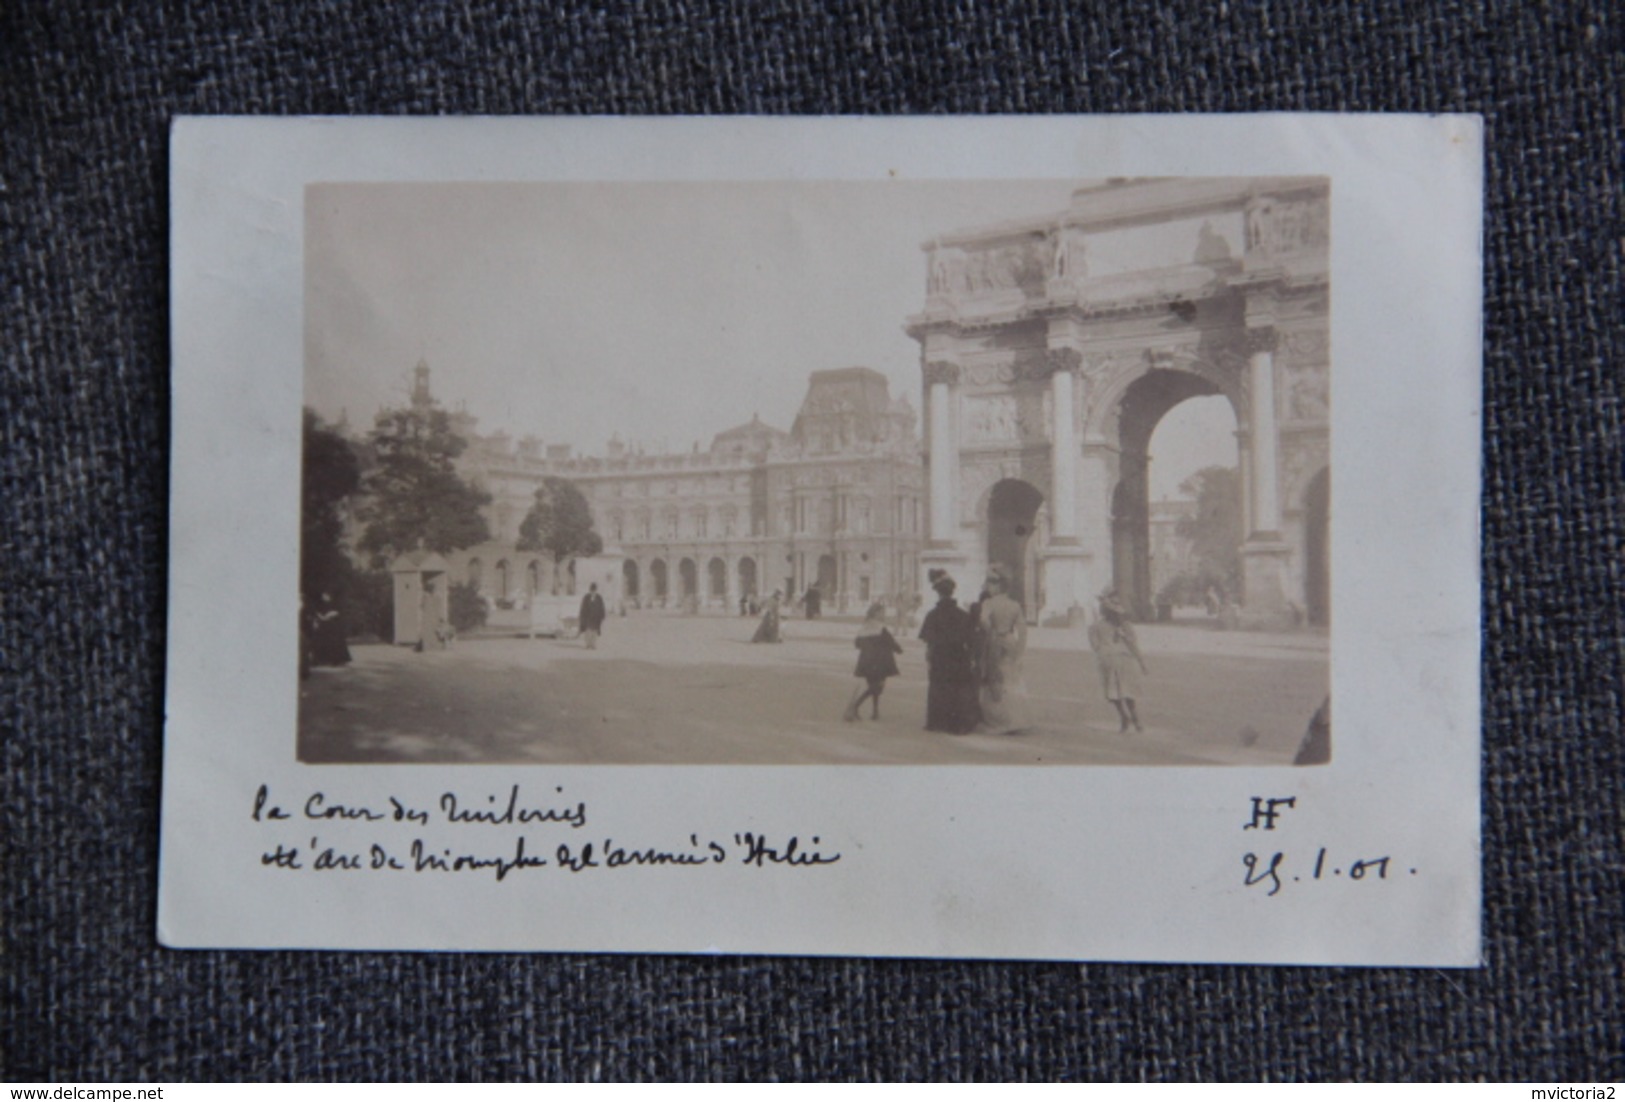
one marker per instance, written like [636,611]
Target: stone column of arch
[1063,364]
[1266,494]
[941,380]
[942,548]
[1265,556]
[1064,558]
[1097,476]
[1244,470]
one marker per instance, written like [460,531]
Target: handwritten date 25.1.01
[1276,871]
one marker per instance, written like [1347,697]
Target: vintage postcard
[841,536]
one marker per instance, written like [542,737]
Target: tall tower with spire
[421,398]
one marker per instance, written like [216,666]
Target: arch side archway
[1012,521]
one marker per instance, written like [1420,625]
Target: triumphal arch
[1051,348]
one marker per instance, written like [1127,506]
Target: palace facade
[836,501]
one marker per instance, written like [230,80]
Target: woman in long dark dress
[768,630]
[328,645]
[949,634]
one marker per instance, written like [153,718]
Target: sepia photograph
[817,472]
[901,537]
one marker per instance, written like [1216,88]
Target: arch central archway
[1012,517]
[1146,401]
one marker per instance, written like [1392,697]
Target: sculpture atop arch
[1051,347]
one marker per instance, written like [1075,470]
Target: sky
[662,312]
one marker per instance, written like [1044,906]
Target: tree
[559,522]
[415,498]
[1215,529]
[331,474]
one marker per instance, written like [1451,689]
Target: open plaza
[664,688]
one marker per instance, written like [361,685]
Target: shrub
[467,608]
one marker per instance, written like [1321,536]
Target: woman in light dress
[1002,635]
[1117,652]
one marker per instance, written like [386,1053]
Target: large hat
[941,582]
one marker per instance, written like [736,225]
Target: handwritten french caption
[1276,871]
[395,849]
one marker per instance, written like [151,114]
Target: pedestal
[1264,564]
[1068,588]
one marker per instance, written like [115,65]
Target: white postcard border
[1068,862]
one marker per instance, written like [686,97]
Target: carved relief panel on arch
[1026,366]
[1277,226]
[1015,418]
[986,373]
[988,268]
[1305,377]
[1304,458]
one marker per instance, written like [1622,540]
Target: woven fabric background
[86,96]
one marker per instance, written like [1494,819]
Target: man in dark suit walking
[591,619]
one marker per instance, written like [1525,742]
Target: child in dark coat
[877,660]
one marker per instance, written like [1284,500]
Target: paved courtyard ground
[668,689]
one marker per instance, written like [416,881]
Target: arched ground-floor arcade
[850,572]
